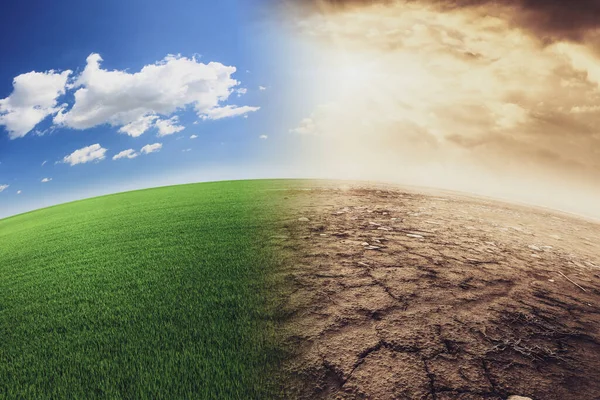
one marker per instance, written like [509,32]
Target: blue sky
[54,37]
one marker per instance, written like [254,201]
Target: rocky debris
[303,219]
[415,236]
[519,398]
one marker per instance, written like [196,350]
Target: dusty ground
[403,295]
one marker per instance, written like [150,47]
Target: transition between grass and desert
[298,289]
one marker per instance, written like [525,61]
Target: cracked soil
[402,294]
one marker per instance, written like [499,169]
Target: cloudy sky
[98,97]
[497,98]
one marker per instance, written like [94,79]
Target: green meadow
[155,294]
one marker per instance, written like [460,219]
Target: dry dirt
[399,294]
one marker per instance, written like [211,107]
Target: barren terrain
[399,294]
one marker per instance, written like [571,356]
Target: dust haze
[489,98]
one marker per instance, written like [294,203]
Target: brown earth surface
[403,294]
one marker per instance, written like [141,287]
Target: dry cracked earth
[401,294]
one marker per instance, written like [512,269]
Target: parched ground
[397,294]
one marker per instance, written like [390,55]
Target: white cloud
[44,163]
[186,150]
[151,148]
[193,136]
[241,91]
[262,88]
[168,126]
[19,192]
[131,100]
[228,111]
[139,126]
[45,180]
[34,97]
[3,188]
[129,153]
[87,154]
[263,137]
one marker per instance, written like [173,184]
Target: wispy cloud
[129,153]
[306,127]
[46,180]
[228,112]
[87,154]
[3,188]
[168,126]
[151,148]
[194,137]
[263,137]
[139,126]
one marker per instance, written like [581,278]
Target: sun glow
[454,99]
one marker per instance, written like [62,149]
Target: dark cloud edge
[549,20]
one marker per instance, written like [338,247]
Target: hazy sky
[495,98]
[498,98]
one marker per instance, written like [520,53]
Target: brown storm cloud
[498,98]
[550,20]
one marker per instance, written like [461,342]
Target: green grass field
[159,293]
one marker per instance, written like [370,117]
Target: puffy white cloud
[151,148]
[3,188]
[133,100]
[34,97]
[46,180]
[87,154]
[263,137]
[139,126]
[241,92]
[19,192]
[129,153]
[228,111]
[168,126]
[194,137]
[262,88]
